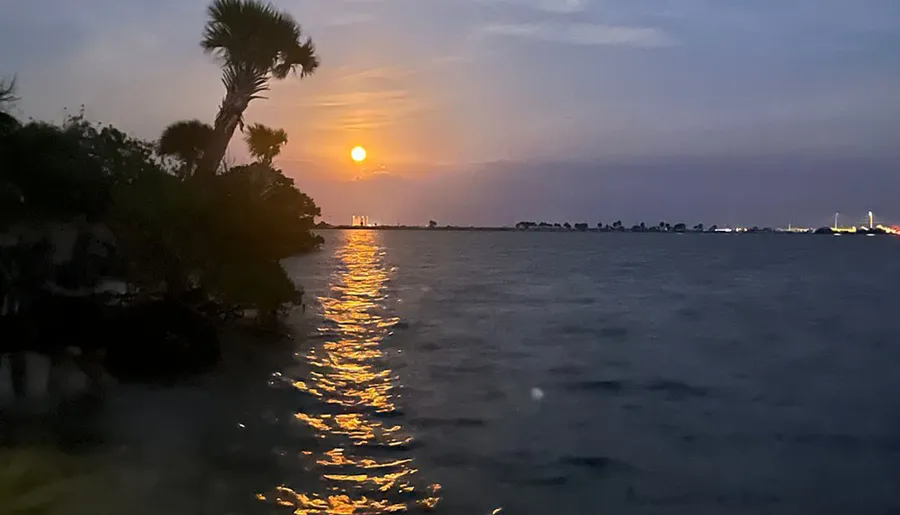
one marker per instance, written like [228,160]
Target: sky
[489,112]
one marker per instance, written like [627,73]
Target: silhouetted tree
[264,142]
[432,224]
[679,227]
[69,170]
[7,93]
[185,142]
[567,225]
[581,226]
[254,43]
[8,98]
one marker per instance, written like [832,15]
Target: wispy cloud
[584,34]
[562,6]
[550,6]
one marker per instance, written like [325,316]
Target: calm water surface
[555,373]
[585,373]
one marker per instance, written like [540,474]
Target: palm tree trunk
[227,121]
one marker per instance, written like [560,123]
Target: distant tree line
[617,226]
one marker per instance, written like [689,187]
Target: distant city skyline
[869,220]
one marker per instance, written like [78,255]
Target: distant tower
[871,220]
[836,221]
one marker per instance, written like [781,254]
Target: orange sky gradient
[490,111]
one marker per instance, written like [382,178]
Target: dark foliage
[185,142]
[190,245]
[169,234]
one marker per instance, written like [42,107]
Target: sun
[358,154]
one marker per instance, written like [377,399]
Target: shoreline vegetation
[129,259]
[617,227]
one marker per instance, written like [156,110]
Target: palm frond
[245,80]
[251,32]
[264,142]
[302,56]
[185,140]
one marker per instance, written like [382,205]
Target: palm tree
[265,142]
[254,42]
[185,141]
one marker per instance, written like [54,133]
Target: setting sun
[358,154]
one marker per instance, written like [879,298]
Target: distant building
[359,221]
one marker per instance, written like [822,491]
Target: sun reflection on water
[362,464]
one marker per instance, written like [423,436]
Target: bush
[227,233]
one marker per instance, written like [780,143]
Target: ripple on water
[606,385]
[595,464]
[676,390]
[429,423]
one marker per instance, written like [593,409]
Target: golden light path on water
[363,464]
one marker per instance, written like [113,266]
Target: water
[538,373]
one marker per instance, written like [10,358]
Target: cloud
[550,6]
[585,34]
[562,6]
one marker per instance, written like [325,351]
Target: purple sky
[492,111]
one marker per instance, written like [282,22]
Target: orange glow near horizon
[393,113]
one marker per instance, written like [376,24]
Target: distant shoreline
[821,231]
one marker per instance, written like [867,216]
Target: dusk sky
[493,111]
